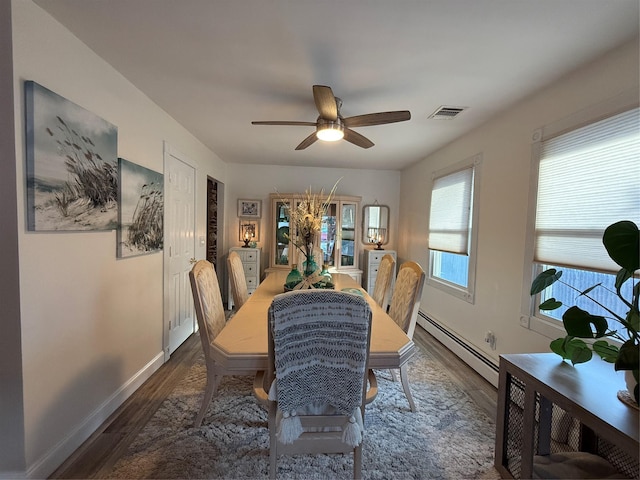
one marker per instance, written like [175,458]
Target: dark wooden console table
[532,385]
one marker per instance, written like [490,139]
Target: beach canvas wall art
[72,170]
[141,218]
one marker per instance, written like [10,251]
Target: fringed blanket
[320,346]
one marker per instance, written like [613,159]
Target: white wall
[259,181]
[92,325]
[505,143]
[11,414]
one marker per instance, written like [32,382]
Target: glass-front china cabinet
[338,239]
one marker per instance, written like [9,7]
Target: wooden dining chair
[384,276]
[237,280]
[211,319]
[317,374]
[405,303]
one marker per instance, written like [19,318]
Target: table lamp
[248,234]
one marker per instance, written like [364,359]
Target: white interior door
[180,218]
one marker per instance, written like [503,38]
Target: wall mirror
[375,225]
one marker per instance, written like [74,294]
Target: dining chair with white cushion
[237,280]
[405,303]
[384,276]
[317,374]
[211,319]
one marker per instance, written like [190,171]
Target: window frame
[467,294]
[530,317]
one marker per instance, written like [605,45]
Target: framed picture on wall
[141,201]
[72,165]
[250,208]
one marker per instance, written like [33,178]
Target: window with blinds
[587,178]
[452,216]
[450,219]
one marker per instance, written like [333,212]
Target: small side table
[534,387]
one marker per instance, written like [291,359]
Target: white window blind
[450,217]
[588,179]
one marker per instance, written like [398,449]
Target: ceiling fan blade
[357,139]
[377,118]
[305,124]
[307,141]
[325,102]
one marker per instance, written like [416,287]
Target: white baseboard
[473,357]
[51,460]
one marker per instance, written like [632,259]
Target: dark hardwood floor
[96,457]
[99,453]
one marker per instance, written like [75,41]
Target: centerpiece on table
[305,215]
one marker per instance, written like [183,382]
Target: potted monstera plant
[622,242]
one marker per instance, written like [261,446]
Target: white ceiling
[216,65]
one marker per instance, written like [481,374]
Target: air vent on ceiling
[447,113]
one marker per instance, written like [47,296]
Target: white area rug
[448,438]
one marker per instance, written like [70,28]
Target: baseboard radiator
[468,353]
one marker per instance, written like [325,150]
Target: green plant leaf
[584,292]
[558,347]
[545,279]
[633,319]
[578,322]
[570,348]
[550,304]
[622,241]
[629,356]
[622,276]
[608,352]
[579,352]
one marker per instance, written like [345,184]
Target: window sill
[551,328]
[452,289]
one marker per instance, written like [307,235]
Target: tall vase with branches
[305,215]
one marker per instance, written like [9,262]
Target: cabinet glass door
[282,248]
[328,235]
[347,235]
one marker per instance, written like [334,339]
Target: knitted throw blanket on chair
[320,349]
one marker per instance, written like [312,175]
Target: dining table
[241,346]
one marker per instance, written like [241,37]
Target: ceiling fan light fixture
[331,126]
[330,131]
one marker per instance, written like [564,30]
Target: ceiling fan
[332,126]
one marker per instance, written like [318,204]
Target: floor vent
[446,113]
